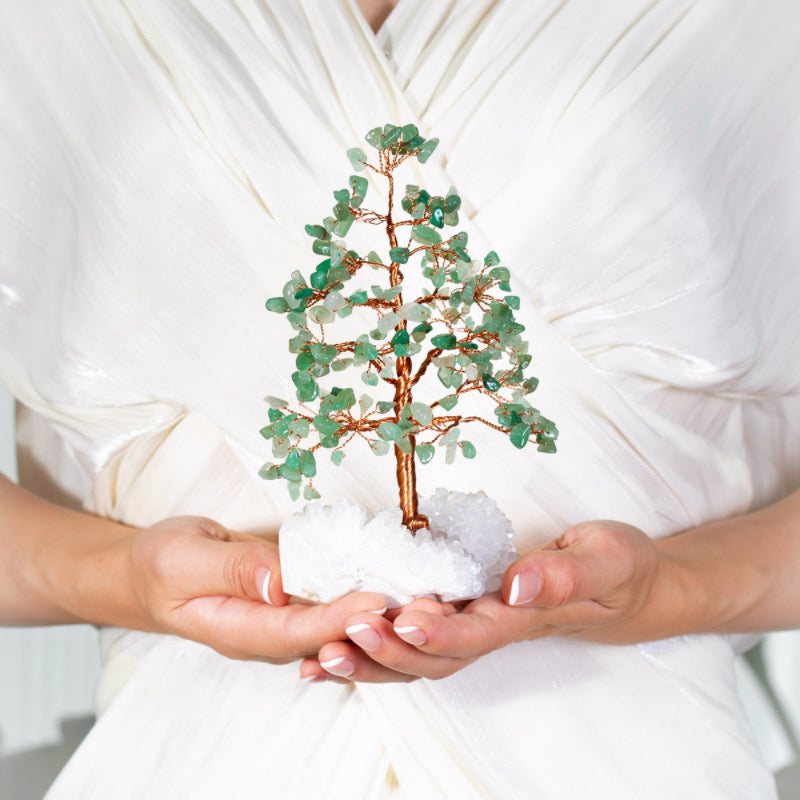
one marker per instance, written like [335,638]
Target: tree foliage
[462,328]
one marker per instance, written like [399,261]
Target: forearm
[736,575]
[62,566]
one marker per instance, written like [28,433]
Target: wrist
[714,584]
[84,574]
[687,594]
[104,592]
[685,601]
[672,605]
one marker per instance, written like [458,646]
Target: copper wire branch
[425,364]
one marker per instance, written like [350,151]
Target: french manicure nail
[366,637]
[411,634]
[264,584]
[524,587]
[379,611]
[342,667]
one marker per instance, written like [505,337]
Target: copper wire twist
[406,471]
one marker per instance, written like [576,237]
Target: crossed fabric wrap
[634,167]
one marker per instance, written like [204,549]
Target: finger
[347,661]
[550,579]
[377,639]
[483,626]
[422,604]
[311,670]
[430,606]
[201,557]
[586,569]
[242,628]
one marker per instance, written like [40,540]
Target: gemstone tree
[461,324]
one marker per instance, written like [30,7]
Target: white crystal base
[329,550]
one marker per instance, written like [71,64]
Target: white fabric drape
[635,164]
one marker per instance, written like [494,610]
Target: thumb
[214,561]
[253,570]
[584,564]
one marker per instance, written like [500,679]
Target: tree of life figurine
[461,325]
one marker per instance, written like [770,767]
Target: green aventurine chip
[357,158]
[425,452]
[307,388]
[445,341]
[426,235]
[399,254]
[277,305]
[308,464]
[426,150]
[358,185]
[520,434]
[468,449]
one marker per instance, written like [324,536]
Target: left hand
[591,582]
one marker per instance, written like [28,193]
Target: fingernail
[379,611]
[411,634]
[525,587]
[342,667]
[366,637]
[263,579]
[312,678]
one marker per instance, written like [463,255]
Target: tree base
[330,550]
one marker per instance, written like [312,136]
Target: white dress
[635,164]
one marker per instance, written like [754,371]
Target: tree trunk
[406,473]
[407,483]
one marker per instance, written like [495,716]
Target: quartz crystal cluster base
[329,550]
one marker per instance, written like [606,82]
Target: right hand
[196,579]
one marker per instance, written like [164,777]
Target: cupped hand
[593,582]
[199,580]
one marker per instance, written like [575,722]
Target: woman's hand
[188,576]
[593,581]
[194,578]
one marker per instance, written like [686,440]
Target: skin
[376,11]
[187,575]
